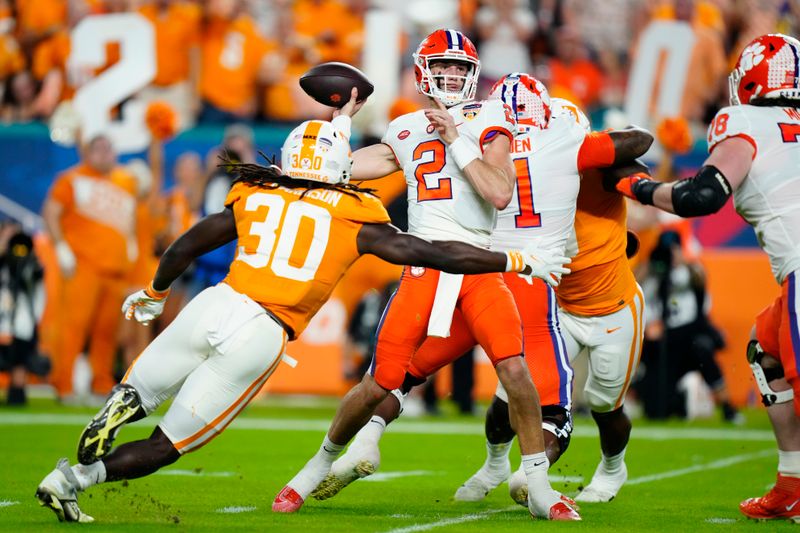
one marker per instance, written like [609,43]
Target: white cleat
[482,483]
[58,491]
[353,465]
[518,487]
[603,487]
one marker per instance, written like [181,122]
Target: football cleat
[603,487]
[287,501]
[563,512]
[481,483]
[58,491]
[122,406]
[782,502]
[518,487]
[342,474]
[561,508]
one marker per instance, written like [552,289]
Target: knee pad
[764,376]
[558,421]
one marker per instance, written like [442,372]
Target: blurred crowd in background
[236,63]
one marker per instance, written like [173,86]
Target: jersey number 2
[527,217]
[277,254]
[442,190]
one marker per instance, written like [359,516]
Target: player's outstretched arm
[373,162]
[613,148]
[702,194]
[208,234]
[390,244]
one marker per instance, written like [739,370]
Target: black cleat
[123,406]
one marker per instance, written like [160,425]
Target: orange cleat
[780,503]
[287,501]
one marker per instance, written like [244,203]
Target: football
[331,83]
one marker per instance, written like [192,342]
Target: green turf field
[682,477]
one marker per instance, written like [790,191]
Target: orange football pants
[484,302]
[90,311]
[545,352]
[778,333]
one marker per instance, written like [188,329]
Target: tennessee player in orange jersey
[297,235]
[457,163]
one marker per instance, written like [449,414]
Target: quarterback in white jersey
[549,152]
[754,147]
[456,159]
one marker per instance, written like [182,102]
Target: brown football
[331,83]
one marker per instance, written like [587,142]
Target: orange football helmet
[527,97]
[768,67]
[446,45]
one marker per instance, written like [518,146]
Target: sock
[535,466]
[497,456]
[371,433]
[316,468]
[89,475]
[789,463]
[612,464]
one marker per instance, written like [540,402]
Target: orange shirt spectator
[233,54]
[39,18]
[331,28]
[11,58]
[177,29]
[572,73]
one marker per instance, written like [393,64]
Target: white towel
[444,304]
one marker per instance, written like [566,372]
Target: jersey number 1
[527,217]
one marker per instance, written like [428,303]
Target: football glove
[145,305]
[544,264]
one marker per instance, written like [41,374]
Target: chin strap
[764,375]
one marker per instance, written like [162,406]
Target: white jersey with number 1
[442,204]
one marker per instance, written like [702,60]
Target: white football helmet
[315,150]
[563,107]
[526,96]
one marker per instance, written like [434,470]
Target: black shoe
[16,396]
[123,406]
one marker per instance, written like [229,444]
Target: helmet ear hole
[750,86]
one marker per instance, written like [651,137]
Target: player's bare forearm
[630,143]
[210,233]
[493,175]
[388,243]
[373,162]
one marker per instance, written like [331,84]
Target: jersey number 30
[278,250]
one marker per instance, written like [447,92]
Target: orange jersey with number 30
[292,251]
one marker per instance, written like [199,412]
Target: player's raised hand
[544,264]
[442,121]
[145,305]
[352,106]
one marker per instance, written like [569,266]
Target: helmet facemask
[435,85]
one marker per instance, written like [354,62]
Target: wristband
[462,153]
[154,294]
[514,261]
[342,123]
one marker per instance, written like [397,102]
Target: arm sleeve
[61,191]
[596,151]
[497,119]
[236,192]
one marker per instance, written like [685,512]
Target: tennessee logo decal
[416,271]
[471,111]
[403,134]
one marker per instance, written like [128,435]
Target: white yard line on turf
[452,521]
[406,427]
[236,509]
[386,476]
[8,503]
[721,463]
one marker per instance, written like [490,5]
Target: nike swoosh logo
[790,507]
[542,462]
[612,330]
